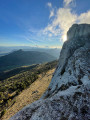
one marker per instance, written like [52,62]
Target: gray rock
[78,30]
[68,95]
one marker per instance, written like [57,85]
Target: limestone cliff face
[78,31]
[68,95]
[74,45]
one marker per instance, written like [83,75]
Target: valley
[31,94]
[24,87]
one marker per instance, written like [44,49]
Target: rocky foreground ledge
[68,95]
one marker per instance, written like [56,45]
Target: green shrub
[2,113]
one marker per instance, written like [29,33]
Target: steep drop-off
[68,95]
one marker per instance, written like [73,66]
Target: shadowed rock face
[68,95]
[78,31]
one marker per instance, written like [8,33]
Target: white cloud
[67,2]
[51,13]
[49,4]
[63,20]
[51,9]
[84,17]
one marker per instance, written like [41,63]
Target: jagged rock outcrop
[68,95]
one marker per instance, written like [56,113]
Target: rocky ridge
[68,95]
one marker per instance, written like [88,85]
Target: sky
[40,23]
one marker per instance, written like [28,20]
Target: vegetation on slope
[29,95]
[11,87]
[13,72]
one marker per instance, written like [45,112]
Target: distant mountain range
[21,58]
[52,51]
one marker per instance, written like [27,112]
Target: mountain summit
[68,95]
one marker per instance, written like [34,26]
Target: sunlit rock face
[68,95]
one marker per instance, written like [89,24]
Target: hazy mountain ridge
[68,95]
[52,51]
[20,58]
